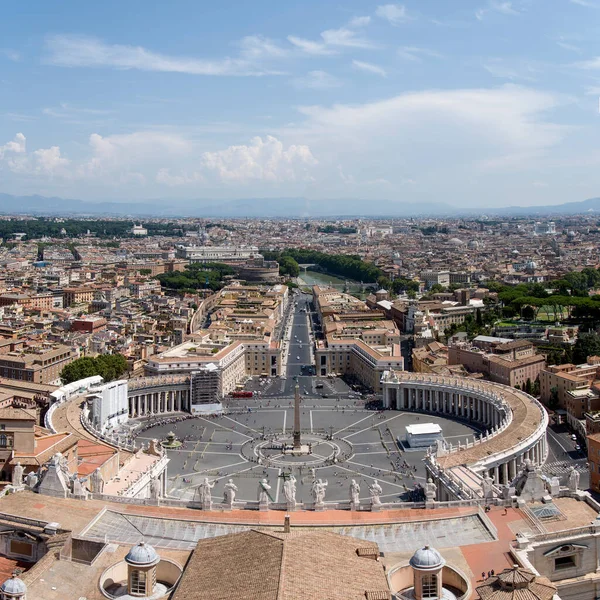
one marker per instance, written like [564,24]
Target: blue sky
[474,103]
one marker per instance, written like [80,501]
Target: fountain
[170,442]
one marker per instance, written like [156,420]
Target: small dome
[515,578]
[456,242]
[427,559]
[13,586]
[142,555]
[473,245]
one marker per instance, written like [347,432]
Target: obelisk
[297,444]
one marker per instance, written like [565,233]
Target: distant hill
[271,207]
[591,205]
[250,207]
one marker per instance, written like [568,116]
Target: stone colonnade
[143,402]
[475,405]
[452,402]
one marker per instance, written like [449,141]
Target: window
[564,562]
[138,582]
[21,548]
[429,586]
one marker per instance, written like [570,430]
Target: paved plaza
[363,442]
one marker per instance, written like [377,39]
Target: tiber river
[311,278]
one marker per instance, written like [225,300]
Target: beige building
[37,365]
[235,360]
[357,341]
[23,442]
[561,379]
[510,363]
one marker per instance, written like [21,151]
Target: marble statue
[17,475]
[229,492]
[155,488]
[97,482]
[554,486]
[289,490]
[354,492]
[77,488]
[573,480]
[31,479]
[318,490]
[204,490]
[487,488]
[430,490]
[375,491]
[263,492]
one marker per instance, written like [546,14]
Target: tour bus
[242,394]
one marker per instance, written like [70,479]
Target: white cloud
[455,135]
[332,41]
[10,54]
[49,160]
[394,13]
[345,38]
[585,3]
[569,47]
[17,146]
[45,162]
[65,110]
[519,70]
[166,177]
[415,54]
[309,46]
[369,68]
[83,51]
[129,152]
[359,21]
[592,64]
[317,80]
[258,46]
[501,7]
[263,159]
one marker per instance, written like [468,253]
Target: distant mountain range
[271,207]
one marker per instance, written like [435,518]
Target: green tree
[587,344]
[108,366]
[288,266]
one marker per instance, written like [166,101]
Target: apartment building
[510,363]
[22,442]
[37,365]
[235,360]
[559,380]
[357,341]
[77,295]
[593,447]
